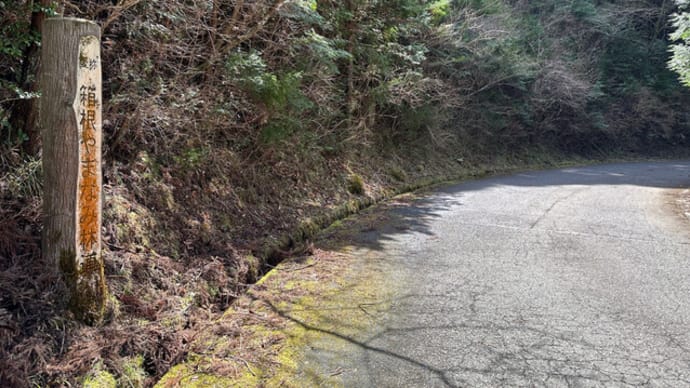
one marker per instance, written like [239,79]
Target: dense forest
[234,129]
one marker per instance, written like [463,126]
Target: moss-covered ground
[329,298]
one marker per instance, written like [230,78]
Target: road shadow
[510,362]
[372,228]
[414,214]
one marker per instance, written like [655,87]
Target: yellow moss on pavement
[328,300]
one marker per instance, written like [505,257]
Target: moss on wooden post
[70,123]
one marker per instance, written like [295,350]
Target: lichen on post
[71,128]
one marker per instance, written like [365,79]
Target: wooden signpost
[71,128]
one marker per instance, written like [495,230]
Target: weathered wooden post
[70,121]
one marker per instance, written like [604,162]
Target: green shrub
[133,373]
[355,184]
[277,92]
[398,174]
[279,129]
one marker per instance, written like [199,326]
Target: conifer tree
[680,59]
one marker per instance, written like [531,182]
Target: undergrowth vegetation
[228,122]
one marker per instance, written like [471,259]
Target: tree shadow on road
[414,213]
[512,351]
[379,228]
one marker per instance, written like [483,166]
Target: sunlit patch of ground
[262,339]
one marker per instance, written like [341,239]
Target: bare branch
[258,25]
[122,6]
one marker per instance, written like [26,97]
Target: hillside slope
[236,129]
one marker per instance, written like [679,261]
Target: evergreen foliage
[17,54]
[680,59]
[362,70]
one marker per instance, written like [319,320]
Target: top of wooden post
[90,26]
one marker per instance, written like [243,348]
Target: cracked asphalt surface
[578,277]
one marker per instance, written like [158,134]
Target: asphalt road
[577,277]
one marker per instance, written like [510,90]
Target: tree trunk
[351,30]
[25,114]
[70,124]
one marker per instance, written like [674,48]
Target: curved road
[577,277]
